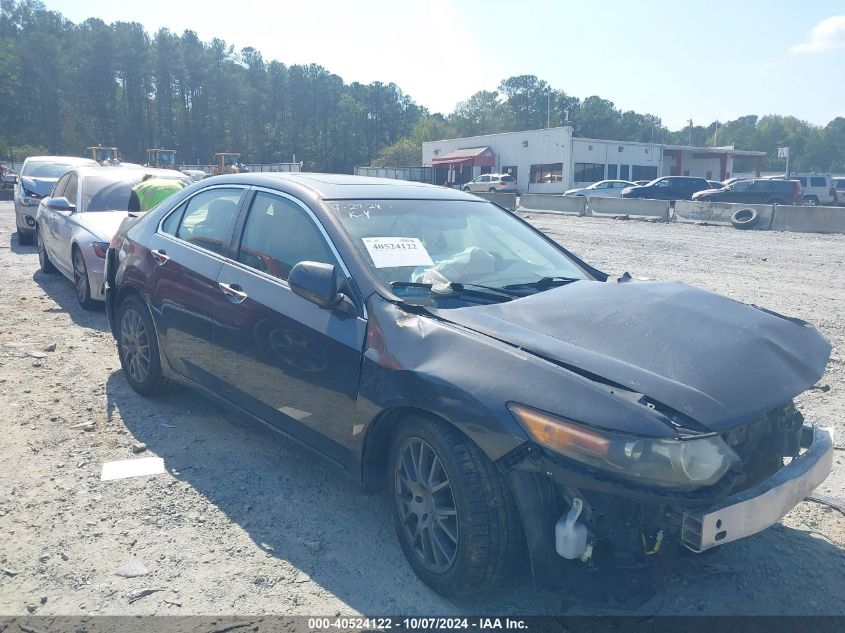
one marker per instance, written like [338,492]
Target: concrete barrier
[809,219]
[507,200]
[720,212]
[634,207]
[549,203]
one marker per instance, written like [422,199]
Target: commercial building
[552,160]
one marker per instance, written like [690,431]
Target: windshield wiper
[542,284]
[455,288]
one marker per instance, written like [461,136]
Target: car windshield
[442,242]
[41,169]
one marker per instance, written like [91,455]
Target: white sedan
[73,226]
[601,189]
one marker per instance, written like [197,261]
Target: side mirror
[317,283]
[60,204]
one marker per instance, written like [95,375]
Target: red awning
[472,156]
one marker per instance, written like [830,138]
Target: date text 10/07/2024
[417,624]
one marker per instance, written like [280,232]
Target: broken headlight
[669,463]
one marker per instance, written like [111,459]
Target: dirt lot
[243,523]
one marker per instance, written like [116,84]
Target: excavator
[105,155]
[163,158]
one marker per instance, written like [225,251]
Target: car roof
[76,160]
[120,173]
[345,186]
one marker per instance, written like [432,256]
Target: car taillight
[503,183]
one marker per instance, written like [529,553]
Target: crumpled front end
[781,460]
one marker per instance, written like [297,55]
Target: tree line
[66,86]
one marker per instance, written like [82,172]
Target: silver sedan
[74,225]
[601,189]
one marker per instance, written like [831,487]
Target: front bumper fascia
[763,505]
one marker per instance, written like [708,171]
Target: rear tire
[811,201]
[137,346]
[455,518]
[43,258]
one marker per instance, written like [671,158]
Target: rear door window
[208,218]
[818,182]
[279,234]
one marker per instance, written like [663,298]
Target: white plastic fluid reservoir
[570,534]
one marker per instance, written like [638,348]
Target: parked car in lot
[755,191]
[37,178]
[667,188]
[601,189]
[492,183]
[437,347]
[817,188]
[74,225]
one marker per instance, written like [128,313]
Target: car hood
[39,186]
[716,360]
[705,191]
[103,224]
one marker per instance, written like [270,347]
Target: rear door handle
[234,293]
[160,257]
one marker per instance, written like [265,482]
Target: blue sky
[678,60]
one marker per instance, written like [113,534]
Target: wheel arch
[376,443]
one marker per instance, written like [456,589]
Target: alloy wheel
[80,276]
[42,253]
[426,505]
[135,345]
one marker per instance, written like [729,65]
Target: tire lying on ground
[744,218]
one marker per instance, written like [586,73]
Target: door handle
[160,257]
[234,293]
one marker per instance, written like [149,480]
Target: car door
[479,184]
[47,229]
[281,357]
[63,226]
[187,252]
[661,190]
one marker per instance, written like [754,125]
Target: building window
[644,172]
[611,172]
[547,173]
[589,172]
[510,170]
[624,172]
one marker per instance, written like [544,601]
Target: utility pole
[690,132]
[548,107]
[716,136]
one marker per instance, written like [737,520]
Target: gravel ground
[243,523]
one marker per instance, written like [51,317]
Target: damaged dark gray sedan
[513,401]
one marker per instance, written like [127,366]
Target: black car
[755,191]
[667,188]
[506,394]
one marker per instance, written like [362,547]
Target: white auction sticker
[393,252]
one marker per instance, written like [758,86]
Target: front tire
[43,258]
[137,346]
[81,281]
[455,518]
[25,239]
